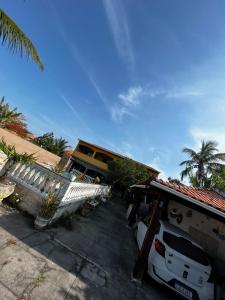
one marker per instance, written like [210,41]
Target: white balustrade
[78,190]
[42,180]
[39,179]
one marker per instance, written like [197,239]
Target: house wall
[207,231]
[97,157]
[43,156]
[90,160]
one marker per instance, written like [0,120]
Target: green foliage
[52,144]
[57,169]
[218,179]
[174,180]
[125,172]
[202,164]
[14,156]
[16,40]
[49,206]
[8,116]
[14,200]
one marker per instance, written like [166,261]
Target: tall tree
[52,144]
[16,40]
[200,165]
[8,116]
[125,172]
[12,119]
[218,179]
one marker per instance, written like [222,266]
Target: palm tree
[60,146]
[202,163]
[12,36]
[52,144]
[8,116]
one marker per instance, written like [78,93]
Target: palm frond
[188,162]
[186,172]
[214,166]
[209,147]
[219,156]
[190,152]
[16,40]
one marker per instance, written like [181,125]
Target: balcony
[90,160]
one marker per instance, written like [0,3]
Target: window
[103,157]
[77,167]
[85,150]
[186,248]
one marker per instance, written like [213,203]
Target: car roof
[177,231]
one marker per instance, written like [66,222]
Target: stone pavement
[93,261]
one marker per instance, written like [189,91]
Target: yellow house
[92,160]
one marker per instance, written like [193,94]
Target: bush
[125,172]
[49,206]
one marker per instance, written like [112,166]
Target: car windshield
[185,247]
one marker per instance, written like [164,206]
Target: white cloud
[185,92]
[118,112]
[132,96]
[70,106]
[126,149]
[99,91]
[155,163]
[75,113]
[127,101]
[118,23]
[199,134]
[135,95]
[78,58]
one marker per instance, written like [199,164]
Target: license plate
[183,290]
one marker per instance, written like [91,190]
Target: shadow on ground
[93,261]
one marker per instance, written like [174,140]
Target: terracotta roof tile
[209,197]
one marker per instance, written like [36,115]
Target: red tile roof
[209,197]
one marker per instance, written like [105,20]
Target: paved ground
[93,261]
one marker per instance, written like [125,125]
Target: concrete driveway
[93,261]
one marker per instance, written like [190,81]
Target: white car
[176,261]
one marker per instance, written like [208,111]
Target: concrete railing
[81,177]
[79,190]
[77,193]
[41,180]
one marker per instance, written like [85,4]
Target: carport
[199,212]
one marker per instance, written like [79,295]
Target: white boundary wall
[40,180]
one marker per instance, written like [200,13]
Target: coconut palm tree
[52,144]
[16,40]
[60,146]
[202,163]
[8,116]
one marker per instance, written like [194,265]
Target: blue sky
[144,78]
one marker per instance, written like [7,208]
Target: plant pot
[41,223]
[6,189]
